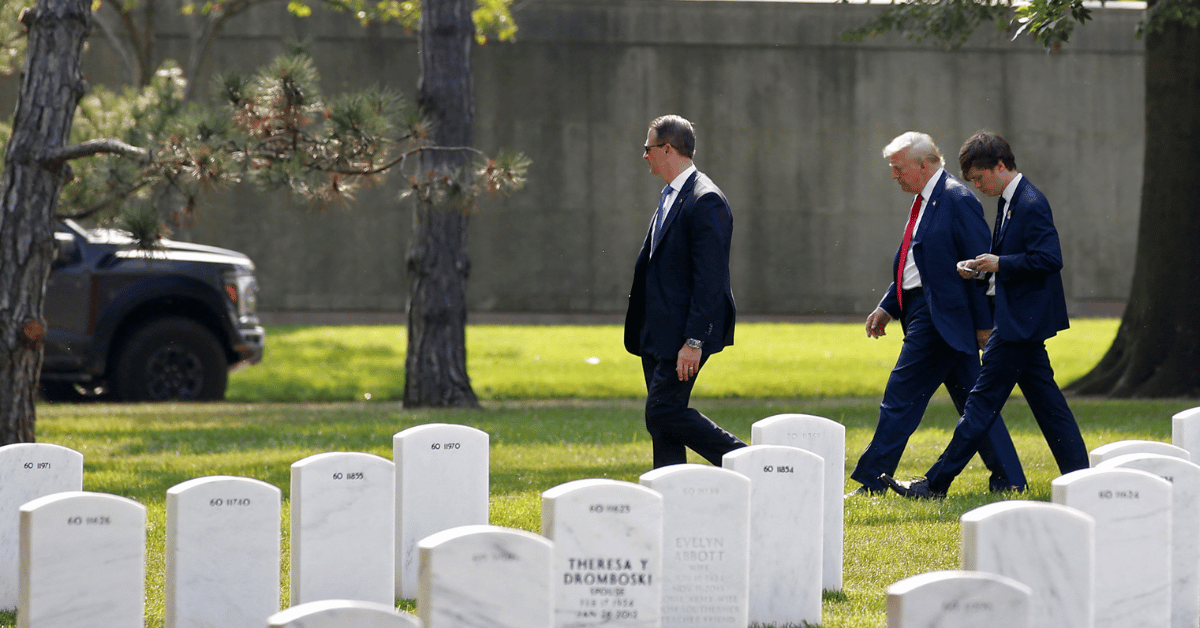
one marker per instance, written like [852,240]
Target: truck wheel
[171,358]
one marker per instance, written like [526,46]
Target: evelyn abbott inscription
[706,523]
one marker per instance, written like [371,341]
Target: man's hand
[966,269]
[876,322]
[687,363]
[987,263]
[981,337]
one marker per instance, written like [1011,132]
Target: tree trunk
[438,266]
[50,88]
[1157,349]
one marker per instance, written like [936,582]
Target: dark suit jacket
[952,229]
[683,290]
[1030,305]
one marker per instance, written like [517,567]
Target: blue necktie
[658,218]
[999,222]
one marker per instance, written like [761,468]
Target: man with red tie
[1022,266]
[946,318]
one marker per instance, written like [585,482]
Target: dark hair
[676,131]
[984,150]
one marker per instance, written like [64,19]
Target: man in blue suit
[1023,267]
[946,319]
[681,307]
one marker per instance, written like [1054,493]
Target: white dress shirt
[676,184]
[1007,195]
[912,277]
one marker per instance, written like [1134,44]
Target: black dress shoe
[866,490]
[913,489]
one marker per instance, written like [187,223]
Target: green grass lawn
[548,428]
[769,360]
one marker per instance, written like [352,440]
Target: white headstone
[441,483]
[83,558]
[786,531]
[222,553]
[958,599]
[486,577]
[1185,431]
[1122,447]
[1132,510]
[607,553]
[343,528]
[1047,547]
[29,471]
[342,614]
[1184,477]
[827,439]
[706,545]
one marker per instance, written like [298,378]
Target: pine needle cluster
[274,129]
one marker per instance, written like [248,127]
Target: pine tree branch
[91,148]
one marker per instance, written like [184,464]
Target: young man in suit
[1023,268]
[681,307]
[946,319]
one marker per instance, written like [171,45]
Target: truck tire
[172,358]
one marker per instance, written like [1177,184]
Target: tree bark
[1157,349]
[32,179]
[438,265]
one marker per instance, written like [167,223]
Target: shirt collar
[677,183]
[932,183]
[1011,189]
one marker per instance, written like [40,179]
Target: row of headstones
[349,514]
[82,554]
[608,592]
[1118,546]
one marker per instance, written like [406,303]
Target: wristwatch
[695,344]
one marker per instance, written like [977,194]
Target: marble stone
[827,439]
[343,528]
[342,614]
[222,553]
[83,558]
[441,483]
[1122,447]
[1047,547]
[29,471]
[1184,477]
[1185,431]
[958,599]
[706,545]
[607,553]
[486,577]
[786,531]
[1132,510]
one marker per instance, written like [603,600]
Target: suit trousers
[926,362]
[1007,364]
[673,426]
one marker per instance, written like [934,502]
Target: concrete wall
[790,121]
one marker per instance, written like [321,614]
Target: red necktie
[908,231]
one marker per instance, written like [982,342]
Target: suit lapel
[684,193]
[1008,209]
[931,208]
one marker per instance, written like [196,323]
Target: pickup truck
[146,325]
